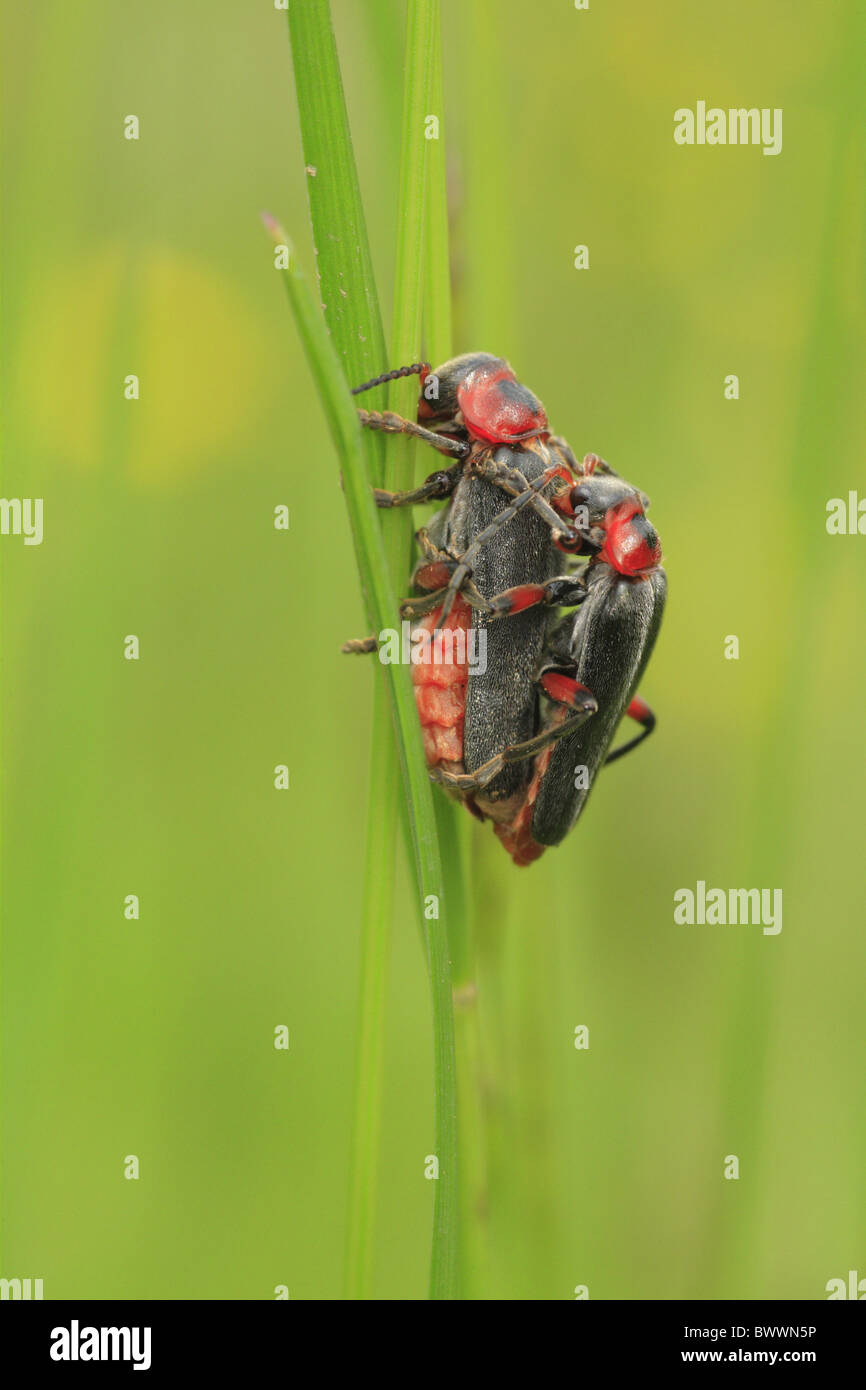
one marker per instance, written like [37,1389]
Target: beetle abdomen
[516,837]
[440,686]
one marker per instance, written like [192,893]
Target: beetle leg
[464,566]
[640,711]
[474,597]
[568,534]
[429,547]
[564,592]
[562,449]
[591,462]
[412,608]
[515,483]
[569,695]
[436,567]
[416,607]
[395,424]
[427,603]
[360,645]
[419,607]
[439,484]
[434,576]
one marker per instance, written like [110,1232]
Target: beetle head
[600,495]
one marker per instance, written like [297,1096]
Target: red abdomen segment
[516,837]
[440,685]
[440,695]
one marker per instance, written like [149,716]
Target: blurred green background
[155,777]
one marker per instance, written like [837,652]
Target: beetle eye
[570,541]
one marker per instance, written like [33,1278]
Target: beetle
[475,554]
[490,736]
[604,646]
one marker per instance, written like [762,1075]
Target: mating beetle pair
[521,742]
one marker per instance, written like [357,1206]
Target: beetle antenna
[416,369]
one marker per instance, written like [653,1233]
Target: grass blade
[343,262]
[376,916]
[423,39]
[357,350]
[453,823]
[437,264]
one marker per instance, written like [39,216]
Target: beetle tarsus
[360,646]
